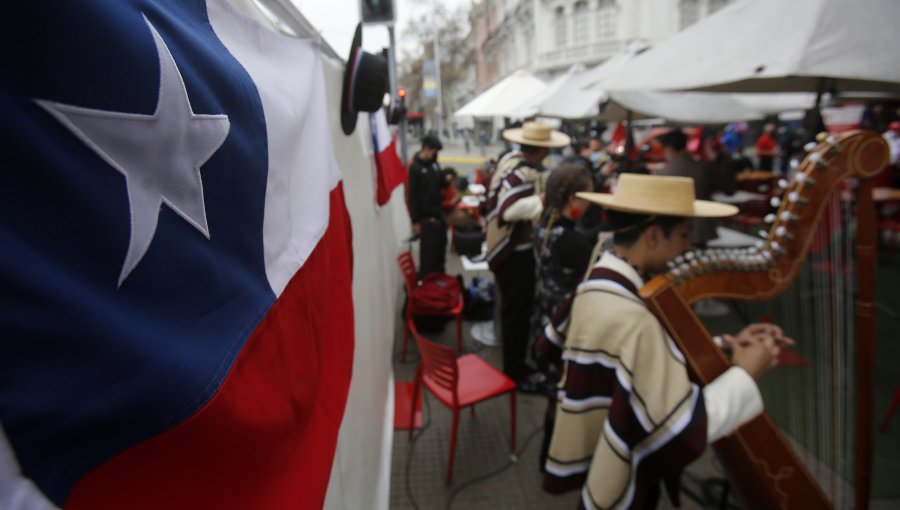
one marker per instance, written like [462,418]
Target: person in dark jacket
[426,185]
[681,164]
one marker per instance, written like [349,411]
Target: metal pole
[629,141]
[392,78]
[439,109]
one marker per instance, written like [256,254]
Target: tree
[452,28]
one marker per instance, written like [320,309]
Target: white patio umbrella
[534,105]
[504,98]
[777,46]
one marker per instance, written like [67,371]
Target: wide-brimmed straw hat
[658,195]
[537,135]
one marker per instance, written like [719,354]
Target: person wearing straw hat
[514,204]
[628,415]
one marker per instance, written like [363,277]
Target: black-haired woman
[562,255]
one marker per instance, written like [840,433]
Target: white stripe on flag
[288,75]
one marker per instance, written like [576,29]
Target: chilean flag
[175,271]
[390,171]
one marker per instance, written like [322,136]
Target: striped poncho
[513,180]
[628,415]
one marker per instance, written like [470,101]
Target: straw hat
[537,135]
[659,194]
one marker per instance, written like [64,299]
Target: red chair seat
[417,310]
[459,382]
[478,380]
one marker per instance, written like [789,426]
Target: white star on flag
[160,155]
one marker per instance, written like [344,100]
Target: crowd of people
[569,248]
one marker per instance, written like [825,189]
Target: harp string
[814,403]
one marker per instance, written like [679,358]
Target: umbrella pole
[629,139]
[813,120]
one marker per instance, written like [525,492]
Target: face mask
[516,147]
[595,158]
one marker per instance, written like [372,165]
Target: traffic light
[398,107]
[377,11]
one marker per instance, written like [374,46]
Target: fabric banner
[175,278]
[390,171]
[429,79]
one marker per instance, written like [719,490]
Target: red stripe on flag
[390,171]
[267,438]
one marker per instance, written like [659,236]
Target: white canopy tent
[504,98]
[677,107]
[777,46]
[583,93]
[576,97]
[772,103]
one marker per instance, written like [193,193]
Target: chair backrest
[756,207]
[408,268]
[438,362]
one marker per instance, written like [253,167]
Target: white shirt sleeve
[527,208]
[16,491]
[732,399]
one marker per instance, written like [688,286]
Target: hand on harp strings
[756,347]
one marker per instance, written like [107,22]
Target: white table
[470,201]
[477,263]
[739,197]
[729,238]
[482,332]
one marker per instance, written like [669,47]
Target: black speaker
[469,239]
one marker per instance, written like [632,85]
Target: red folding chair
[410,282]
[458,383]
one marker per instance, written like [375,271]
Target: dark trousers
[515,280]
[433,246]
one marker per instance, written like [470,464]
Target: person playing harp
[628,415]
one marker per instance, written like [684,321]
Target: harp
[761,462]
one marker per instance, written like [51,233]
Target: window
[559,27]
[690,13]
[715,5]
[582,23]
[607,17]
[529,46]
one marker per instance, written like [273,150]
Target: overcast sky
[337,19]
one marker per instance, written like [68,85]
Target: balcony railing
[592,51]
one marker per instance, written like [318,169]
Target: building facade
[547,37]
